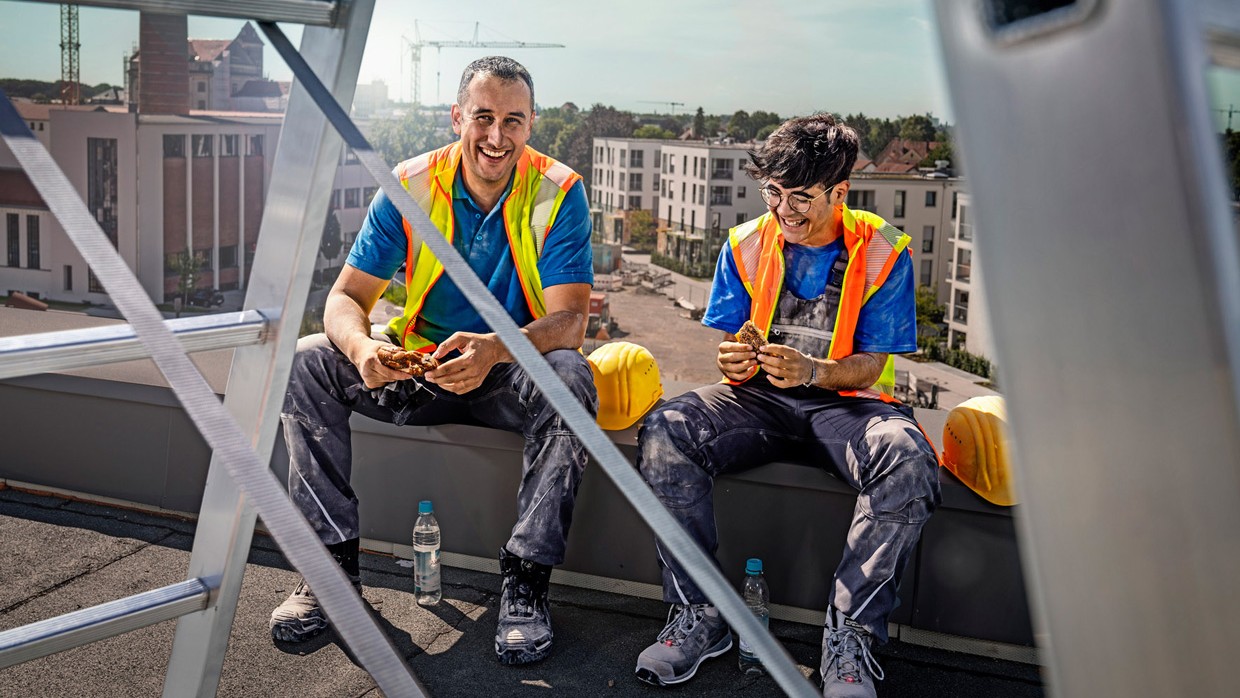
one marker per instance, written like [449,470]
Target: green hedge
[958,358]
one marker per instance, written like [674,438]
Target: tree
[761,119]
[546,130]
[713,125]
[765,132]
[739,126]
[1231,148]
[652,131]
[404,137]
[861,124]
[929,311]
[881,133]
[699,124]
[186,266]
[641,230]
[942,151]
[331,243]
[917,128]
[577,149]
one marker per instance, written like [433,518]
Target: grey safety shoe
[301,617]
[692,635]
[523,633]
[848,668]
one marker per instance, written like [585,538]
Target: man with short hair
[521,221]
[832,291]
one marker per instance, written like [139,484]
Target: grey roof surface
[62,555]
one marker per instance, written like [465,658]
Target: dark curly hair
[806,150]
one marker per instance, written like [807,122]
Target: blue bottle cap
[753,566]
[424,507]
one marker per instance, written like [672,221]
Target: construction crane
[1229,112]
[70,76]
[673,105]
[417,44]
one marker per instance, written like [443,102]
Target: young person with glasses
[832,290]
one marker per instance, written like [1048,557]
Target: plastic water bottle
[426,588]
[756,596]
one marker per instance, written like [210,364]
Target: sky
[880,57]
[634,54]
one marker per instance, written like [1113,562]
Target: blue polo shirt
[380,250]
[887,323]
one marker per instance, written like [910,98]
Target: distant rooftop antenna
[70,75]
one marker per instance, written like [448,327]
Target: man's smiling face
[494,123]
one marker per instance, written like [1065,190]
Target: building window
[203,145]
[202,87]
[228,257]
[861,198]
[637,158]
[721,169]
[932,199]
[14,239]
[955,203]
[684,163]
[635,202]
[671,164]
[68,277]
[335,200]
[350,157]
[352,197]
[927,238]
[92,282]
[635,179]
[721,196]
[927,272]
[740,218]
[101,182]
[206,259]
[740,192]
[174,146]
[368,193]
[32,242]
[655,185]
[899,210]
[622,157]
[228,146]
[254,145]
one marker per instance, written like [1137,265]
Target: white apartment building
[625,178]
[968,319]
[159,185]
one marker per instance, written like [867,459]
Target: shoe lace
[851,654]
[681,621]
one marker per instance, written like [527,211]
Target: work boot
[692,635]
[523,633]
[848,668]
[301,617]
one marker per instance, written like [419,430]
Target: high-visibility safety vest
[539,186]
[873,246]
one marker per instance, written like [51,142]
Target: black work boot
[301,616]
[523,634]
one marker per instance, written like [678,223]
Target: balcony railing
[962,272]
[961,313]
[721,174]
[718,200]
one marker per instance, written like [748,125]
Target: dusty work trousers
[877,448]
[325,389]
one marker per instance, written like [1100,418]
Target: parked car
[206,298]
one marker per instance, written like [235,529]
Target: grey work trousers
[876,447]
[325,389]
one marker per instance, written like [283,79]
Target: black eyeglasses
[797,201]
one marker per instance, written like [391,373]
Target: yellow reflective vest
[538,188]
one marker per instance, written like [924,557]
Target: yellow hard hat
[627,379]
[975,448]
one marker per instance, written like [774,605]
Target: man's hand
[479,352]
[785,367]
[736,360]
[374,373]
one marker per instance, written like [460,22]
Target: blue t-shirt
[380,250]
[887,323]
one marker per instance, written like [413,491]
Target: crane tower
[417,44]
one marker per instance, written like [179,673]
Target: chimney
[163,65]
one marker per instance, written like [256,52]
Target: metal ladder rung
[103,621]
[310,12]
[32,354]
